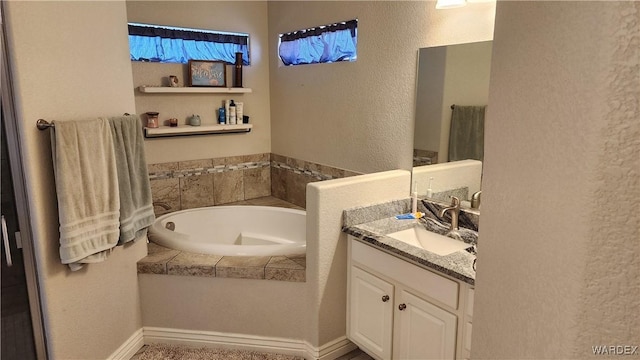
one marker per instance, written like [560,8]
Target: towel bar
[43,124]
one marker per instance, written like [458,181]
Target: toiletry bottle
[429,190]
[222,116]
[226,111]
[239,112]
[232,113]
[414,199]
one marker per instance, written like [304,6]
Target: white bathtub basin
[420,237]
[233,231]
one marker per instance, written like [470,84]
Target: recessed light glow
[449,4]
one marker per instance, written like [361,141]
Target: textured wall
[558,255]
[236,16]
[610,296]
[447,176]
[360,115]
[327,245]
[236,306]
[61,73]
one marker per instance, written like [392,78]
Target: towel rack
[453,106]
[43,124]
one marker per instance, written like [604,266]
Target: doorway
[17,333]
[22,327]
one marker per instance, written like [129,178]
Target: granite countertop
[371,224]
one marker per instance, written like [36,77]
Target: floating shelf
[167,131]
[192,90]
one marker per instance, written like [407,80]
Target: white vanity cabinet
[398,310]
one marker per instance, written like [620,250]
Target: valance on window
[179,45]
[323,44]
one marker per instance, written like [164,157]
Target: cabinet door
[370,313]
[424,331]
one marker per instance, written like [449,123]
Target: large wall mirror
[447,75]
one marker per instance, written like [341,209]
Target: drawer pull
[402,307]
[385,298]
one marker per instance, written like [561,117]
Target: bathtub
[233,231]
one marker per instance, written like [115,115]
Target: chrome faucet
[454,209]
[162,205]
[475,200]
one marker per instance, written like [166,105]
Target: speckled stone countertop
[371,224]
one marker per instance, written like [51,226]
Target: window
[322,44]
[168,44]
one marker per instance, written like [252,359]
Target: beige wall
[360,115]
[234,16]
[432,63]
[558,265]
[327,245]
[62,73]
[274,309]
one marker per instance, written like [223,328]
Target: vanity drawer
[428,283]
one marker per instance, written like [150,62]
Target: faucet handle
[455,201]
[475,200]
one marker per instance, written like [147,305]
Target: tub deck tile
[243,267]
[283,268]
[191,264]
[156,261]
[164,261]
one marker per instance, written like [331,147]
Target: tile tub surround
[424,157]
[371,224]
[165,261]
[208,182]
[290,176]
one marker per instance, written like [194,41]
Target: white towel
[87,190]
[136,209]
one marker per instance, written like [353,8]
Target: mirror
[447,75]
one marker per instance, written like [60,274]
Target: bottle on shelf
[222,116]
[237,80]
[232,113]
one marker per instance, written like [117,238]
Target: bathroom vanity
[404,302]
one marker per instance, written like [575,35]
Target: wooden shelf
[192,90]
[167,131]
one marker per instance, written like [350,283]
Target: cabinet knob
[385,298]
[402,307]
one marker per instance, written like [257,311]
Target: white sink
[420,237]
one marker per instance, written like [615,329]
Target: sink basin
[438,244]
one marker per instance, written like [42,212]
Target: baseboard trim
[297,347]
[331,350]
[130,347]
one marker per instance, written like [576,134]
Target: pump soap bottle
[232,113]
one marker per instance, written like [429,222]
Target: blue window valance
[166,44]
[323,44]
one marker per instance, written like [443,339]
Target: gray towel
[87,190]
[466,139]
[136,209]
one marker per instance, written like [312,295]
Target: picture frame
[206,73]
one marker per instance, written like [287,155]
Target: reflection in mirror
[451,75]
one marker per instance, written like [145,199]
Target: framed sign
[207,73]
